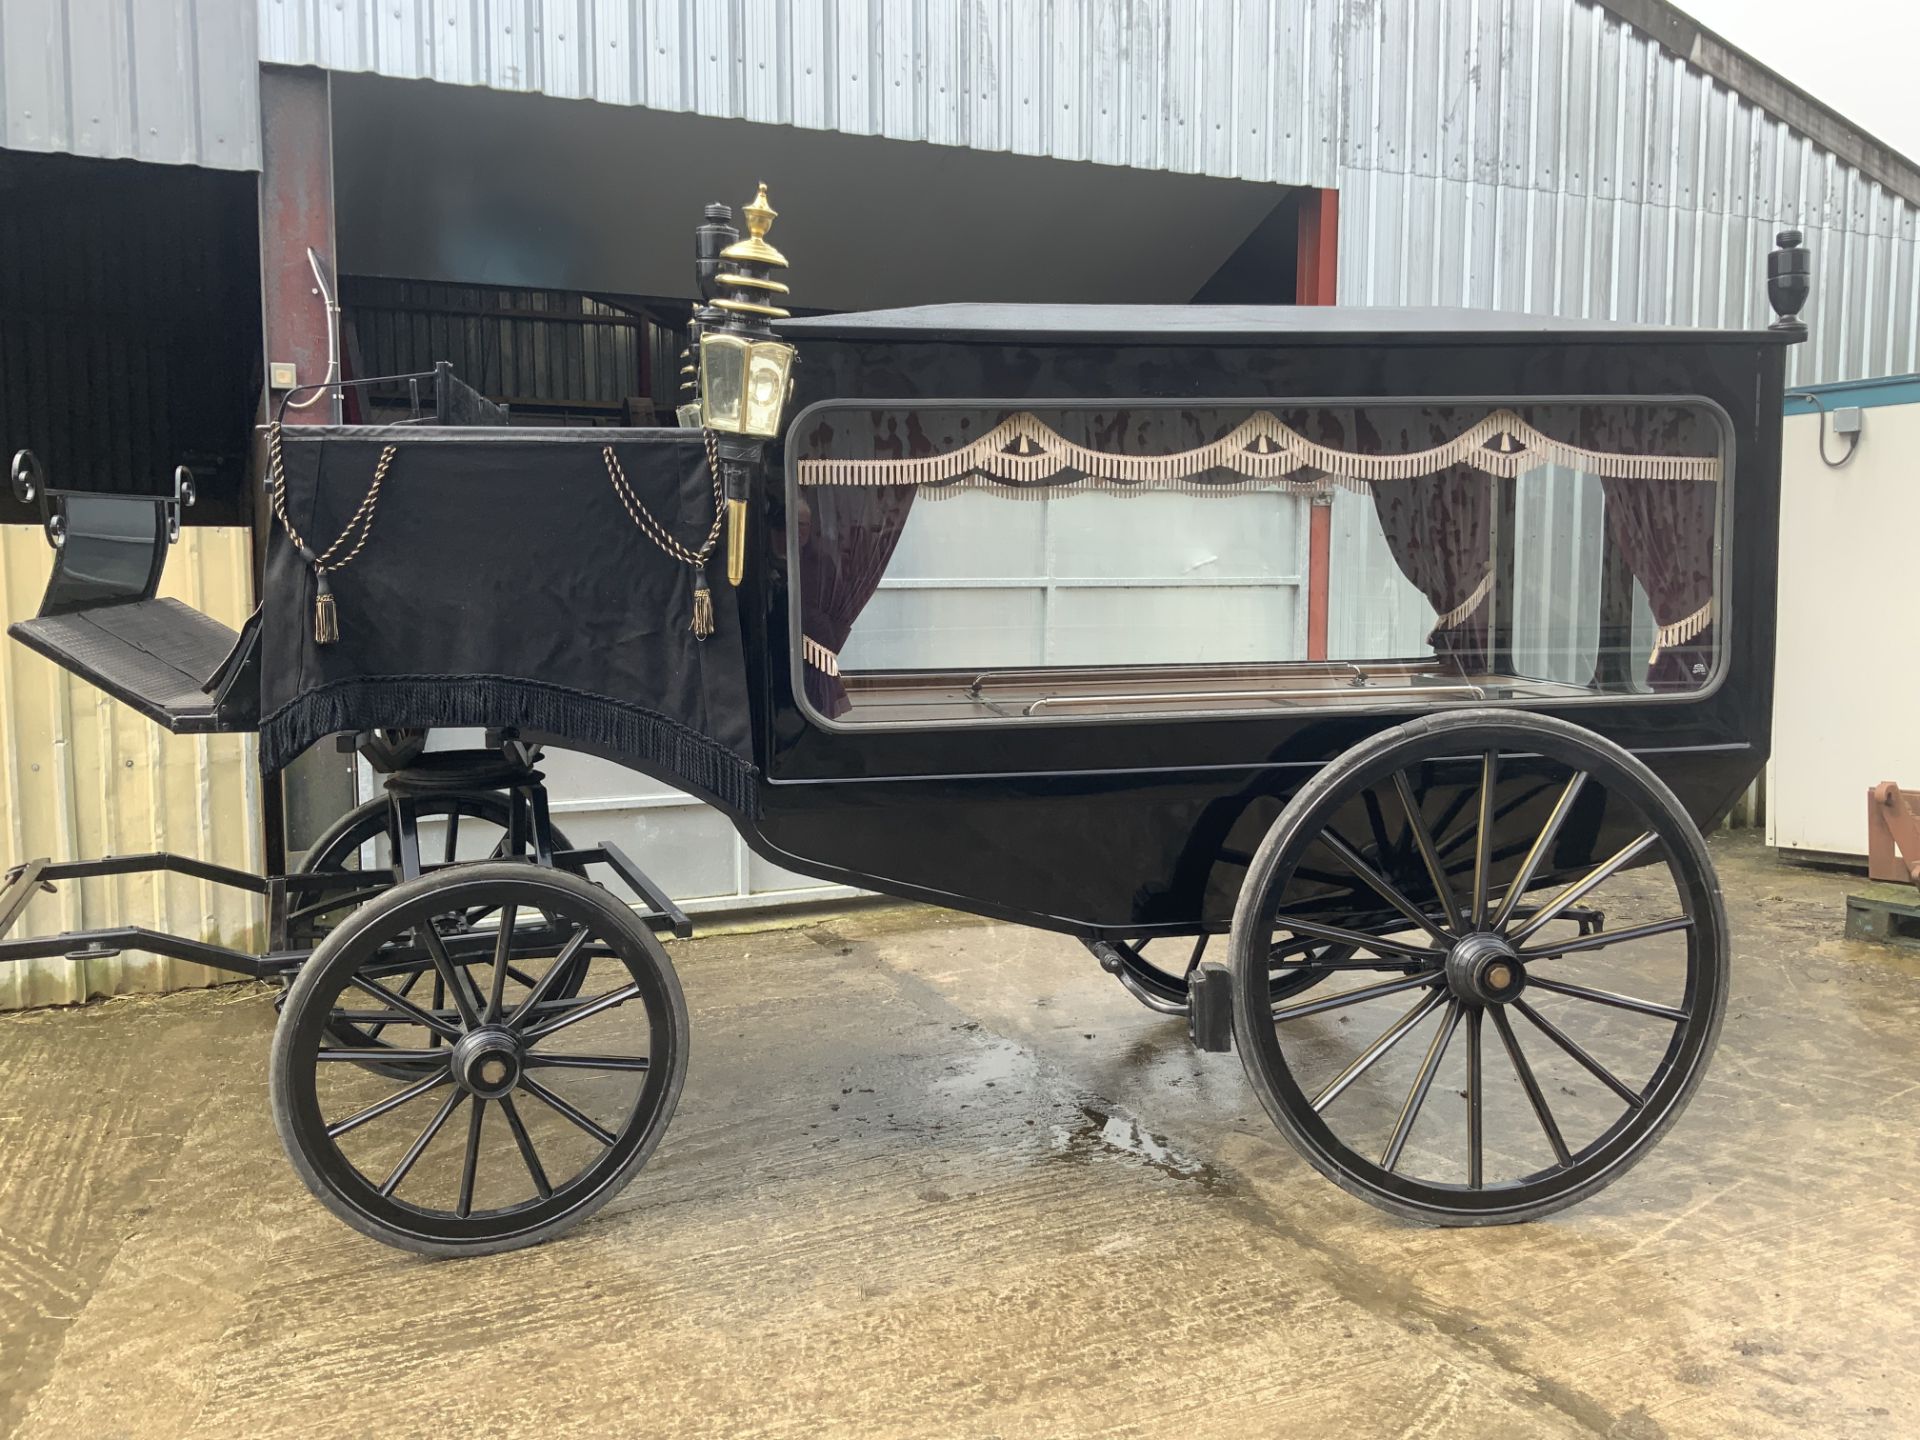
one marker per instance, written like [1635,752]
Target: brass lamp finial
[759,216]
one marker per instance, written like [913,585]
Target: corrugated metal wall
[1240,89]
[172,81]
[1539,155]
[1531,154]
[129,348]
[82,775]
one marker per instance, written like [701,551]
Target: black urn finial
[1789,282]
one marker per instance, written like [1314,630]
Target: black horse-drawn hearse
[1411,651]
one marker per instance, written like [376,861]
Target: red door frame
[1316,275]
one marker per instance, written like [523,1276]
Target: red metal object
[1317,271]
[1315,283]
[1893,834]
[1319,553]
[296,213]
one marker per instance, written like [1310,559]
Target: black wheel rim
[491,1117]
[471,826]
[1535,975]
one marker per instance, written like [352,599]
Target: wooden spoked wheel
[494,1120]
[1537,974]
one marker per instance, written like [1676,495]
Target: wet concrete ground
[934,1176]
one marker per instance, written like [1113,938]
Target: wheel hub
[487,1062]
[1483,969]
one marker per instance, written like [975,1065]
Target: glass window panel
[1172,625]
[972,535]
[1155,535]
[930,627]
[1373,611]
[1094,557]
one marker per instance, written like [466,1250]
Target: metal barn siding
[1540,155]
[83,775]
[1531,154]
[1246,89]
[171,81]
[126,348]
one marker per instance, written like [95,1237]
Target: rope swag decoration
[696,560]
[326,614]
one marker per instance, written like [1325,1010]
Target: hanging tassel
[326,615]
[702,606]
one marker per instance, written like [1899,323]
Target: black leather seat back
[112,550]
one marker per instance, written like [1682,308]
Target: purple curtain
[1664,528]
[1440,530]
[848,533]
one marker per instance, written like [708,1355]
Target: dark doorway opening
[129,327]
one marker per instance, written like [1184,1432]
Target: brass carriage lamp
[744,368]
[743,384]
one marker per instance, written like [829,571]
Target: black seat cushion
[155,655]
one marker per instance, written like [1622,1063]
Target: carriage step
[1210,1006]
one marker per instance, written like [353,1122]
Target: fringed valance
[1025,453]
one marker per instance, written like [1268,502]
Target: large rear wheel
[1537,967]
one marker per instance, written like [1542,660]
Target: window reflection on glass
[1075,561]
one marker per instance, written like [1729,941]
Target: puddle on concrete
[1100,1133]
[991,1065]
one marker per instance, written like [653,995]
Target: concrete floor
[932,1176]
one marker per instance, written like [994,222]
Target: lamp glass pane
[723,376]
[766,388]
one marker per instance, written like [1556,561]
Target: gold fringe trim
[1458,615]
[818,656]
[1022,450]
[1681,631]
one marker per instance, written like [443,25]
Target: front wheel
[361,836]
[497,1117]
[1537,971]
